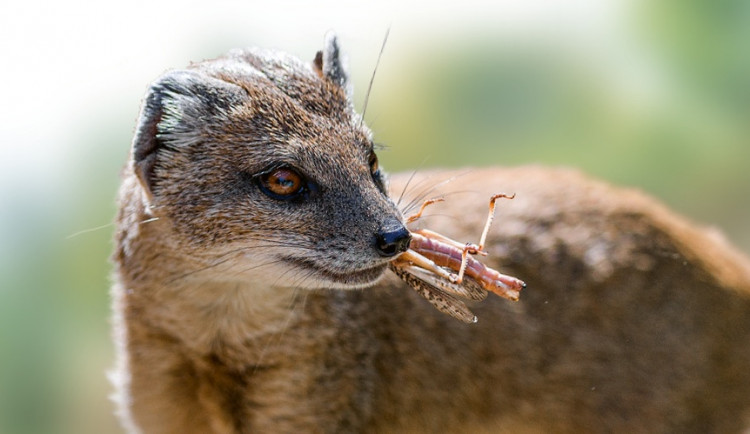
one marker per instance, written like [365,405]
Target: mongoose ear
[329,63]
[174,112]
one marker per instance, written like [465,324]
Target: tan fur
[633,320]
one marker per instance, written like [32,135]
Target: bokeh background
[647,94]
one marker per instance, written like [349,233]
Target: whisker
[267,345]
[372,79]
[199,270]
[417,202]
[423,194]
[257,265]
[86,231]
[419,197]
[430,216]
[411,177]
[105,226]
[227,256]
[406,186]
[299,277]
[279,335]
[293,302]
[283,275]
[304,300]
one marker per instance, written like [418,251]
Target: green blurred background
[648,94]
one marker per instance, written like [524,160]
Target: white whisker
[86,231]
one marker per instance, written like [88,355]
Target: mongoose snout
[393,238]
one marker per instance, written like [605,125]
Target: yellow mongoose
[251,290]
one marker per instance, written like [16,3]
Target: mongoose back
[251,292]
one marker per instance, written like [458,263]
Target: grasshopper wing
[441,299]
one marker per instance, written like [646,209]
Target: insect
[445,273]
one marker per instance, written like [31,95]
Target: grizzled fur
[234,311]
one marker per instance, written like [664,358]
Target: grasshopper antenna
[372,79]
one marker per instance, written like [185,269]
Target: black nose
[393,239]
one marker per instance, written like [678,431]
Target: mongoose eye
[373,162]
[282,183]
[377,177]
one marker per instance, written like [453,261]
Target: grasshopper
[445,273]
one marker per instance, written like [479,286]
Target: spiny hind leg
[491,216]
[468,248]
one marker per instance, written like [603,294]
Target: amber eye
[373,162]
[282,183]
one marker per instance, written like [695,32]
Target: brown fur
[634,320]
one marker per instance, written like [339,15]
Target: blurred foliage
[704,46]
[681,135]
[657,118]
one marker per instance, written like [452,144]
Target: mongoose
[252,294]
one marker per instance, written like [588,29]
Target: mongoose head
[259,161]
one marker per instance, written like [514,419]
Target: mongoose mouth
[327,276]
